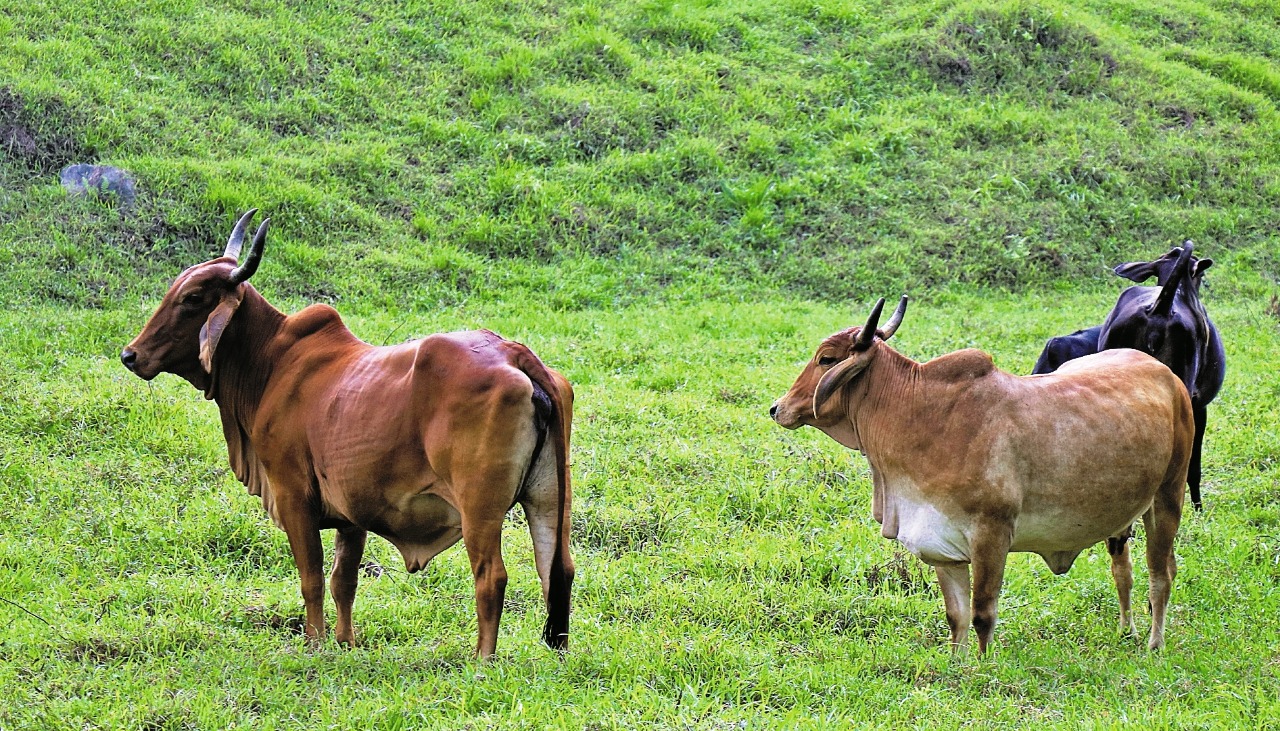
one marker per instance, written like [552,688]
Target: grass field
[729,571]
[671,203]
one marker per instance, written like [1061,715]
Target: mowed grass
[730,574]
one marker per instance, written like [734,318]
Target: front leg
[348,550]
[953,579]
[301,524]
[990,552]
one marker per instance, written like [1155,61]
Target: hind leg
[483,539]
[551,553]
[1200,414]
[1122,574]
[485,496]
[1161,522]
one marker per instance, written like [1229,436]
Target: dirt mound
[36,137]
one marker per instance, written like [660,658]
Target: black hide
[1169,322]
[1063,348]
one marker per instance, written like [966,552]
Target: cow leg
[1161,522]
[348,550]
[990,551]
[483,539]
[954,582]
[308,555]
[1122,574]
[543,513]
[1193,470]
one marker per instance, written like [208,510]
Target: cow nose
[773,411]
[129,358]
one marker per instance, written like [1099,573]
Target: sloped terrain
[480,149]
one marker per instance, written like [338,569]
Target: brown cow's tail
[556,631]
[1164,302]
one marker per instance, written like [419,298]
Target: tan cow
[969,462]
[422,443]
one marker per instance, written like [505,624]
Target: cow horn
[868,334]
[1164,302]
[250,265]
[892,327]
[237,234]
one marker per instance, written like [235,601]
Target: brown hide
[423,443]
[970,462]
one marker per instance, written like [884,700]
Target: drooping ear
[213,328]
[1141,271]
[835,379]
[1137,271]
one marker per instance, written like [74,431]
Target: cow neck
[243,361]
[884,408]
[1190,298]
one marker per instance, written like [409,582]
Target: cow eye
[195,298]
[826,361]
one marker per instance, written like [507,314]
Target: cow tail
[560,582]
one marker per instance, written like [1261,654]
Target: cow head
[1159,323]
[1165,267]
[184,331]
[837,361]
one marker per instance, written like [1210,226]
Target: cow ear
[1136,271]
[213,328]
[1201,265]
[835,379]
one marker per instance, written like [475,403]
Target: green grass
[724,148]
[729,570]
[671,203]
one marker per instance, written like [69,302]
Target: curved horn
[1164,302]
[237,234]
[250,265]
[892,327]
[868,333]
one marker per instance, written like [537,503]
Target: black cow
[1063,348]
[1060,349]
[1170,323]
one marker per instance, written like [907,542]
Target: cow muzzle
[129,357]
[783,416]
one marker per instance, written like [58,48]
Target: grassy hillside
[671,203]
[471,150]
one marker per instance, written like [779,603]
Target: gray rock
[102,179]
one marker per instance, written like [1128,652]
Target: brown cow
[422,443]
[969,463]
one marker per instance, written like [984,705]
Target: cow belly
[425,526]
[1070,531]
[928,534]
